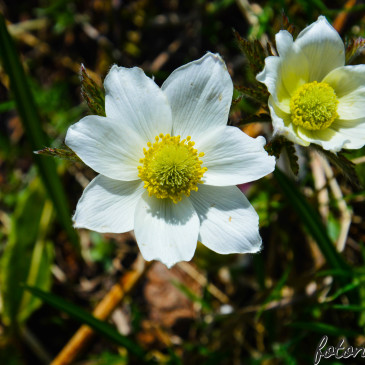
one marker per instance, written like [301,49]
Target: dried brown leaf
[92,93]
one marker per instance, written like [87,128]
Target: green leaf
[27,257]
[292,156]
[86,318]
[286,25]
[254,52]
[275,147]
[237,100]
[92,93]
[258,92]
[312,222]
[33,129]
[65,154]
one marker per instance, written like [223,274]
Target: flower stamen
[171,168]
[314,106]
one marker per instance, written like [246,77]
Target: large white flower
[155,179]
[314,97]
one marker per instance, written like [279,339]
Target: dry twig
[340,21]
[345,218]
[102,311]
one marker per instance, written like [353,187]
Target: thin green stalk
[312,222]
[33,129]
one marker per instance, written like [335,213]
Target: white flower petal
[349,85]
[135,100]
[283,75]
[348,134]
[166,231]
[228,222]
[107,146]
[284,42]
[283,125]
[323,48]
[200,95]
[108,205]
[329,139]
[271,76]
[232,157]
[294,64]
[352,131]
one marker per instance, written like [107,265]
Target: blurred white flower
[168,163]
[314,97]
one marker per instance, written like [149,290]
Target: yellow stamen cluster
[171,168]
[314,106]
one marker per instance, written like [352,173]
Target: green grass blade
[335,272]
[324,328]
[343,290]
[6,106]
[86,318]
[16,258]
[31,122]
[312,222]
[348,307]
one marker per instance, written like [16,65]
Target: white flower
[314,97]
[154,179]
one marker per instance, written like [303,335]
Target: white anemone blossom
[314,98]
[168,163]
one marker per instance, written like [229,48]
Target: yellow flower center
[314,106]
[171,168]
